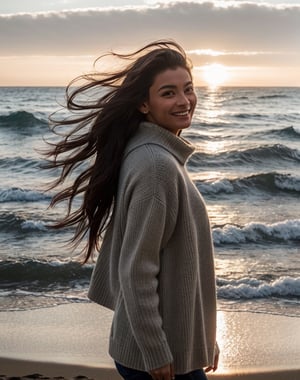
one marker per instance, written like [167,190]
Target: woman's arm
[139,269]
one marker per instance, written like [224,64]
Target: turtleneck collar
[149,133]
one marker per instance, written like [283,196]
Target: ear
[143,108]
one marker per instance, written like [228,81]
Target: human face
[172,100]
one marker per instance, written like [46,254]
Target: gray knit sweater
[155,268]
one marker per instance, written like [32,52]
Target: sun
[215,74]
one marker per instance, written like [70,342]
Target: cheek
[161,107]
[194,100]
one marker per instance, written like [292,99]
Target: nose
[182,99]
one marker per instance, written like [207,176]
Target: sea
[246,165]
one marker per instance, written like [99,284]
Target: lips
[182,113]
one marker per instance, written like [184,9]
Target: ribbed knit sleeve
[139,268]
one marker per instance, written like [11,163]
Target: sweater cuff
[158,357]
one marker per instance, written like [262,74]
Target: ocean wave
[17,194]
[281,232]
[234,98]
[249,115]
[31,274]
[258,155]
[19,163]
[21,121]
[33,225]
[287,182]
[201,132]
[29,277]
[19,224]
[20,300]
[29,284]
[267,182]
[267,152]
[248,288]
[291,132]
[273,96]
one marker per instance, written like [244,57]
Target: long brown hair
[97,134]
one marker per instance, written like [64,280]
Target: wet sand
[68,341]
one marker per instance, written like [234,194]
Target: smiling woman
[215,74]
[139,208]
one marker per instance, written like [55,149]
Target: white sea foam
[269,182]
[17,194]
[256,232]
[248,288]
[288,183]
[222,185]
[33,225]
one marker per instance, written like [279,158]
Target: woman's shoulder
[149,172]
[150,156]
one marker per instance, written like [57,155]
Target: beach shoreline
[25,369]
[71,340]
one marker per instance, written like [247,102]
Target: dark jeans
[134,374]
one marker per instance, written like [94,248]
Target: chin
[185,126]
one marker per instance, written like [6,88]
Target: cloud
[237,27]
[261,58]
[217,53]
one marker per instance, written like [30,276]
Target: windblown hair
[97,134]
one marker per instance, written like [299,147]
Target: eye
[189,89]
[168,93]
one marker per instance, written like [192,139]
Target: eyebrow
[172,86]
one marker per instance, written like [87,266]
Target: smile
[185,113]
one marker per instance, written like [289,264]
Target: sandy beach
[71,340]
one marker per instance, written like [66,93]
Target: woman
[155,267]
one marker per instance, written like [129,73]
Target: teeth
[182,113]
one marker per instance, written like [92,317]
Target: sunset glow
[215,74]
[49,43]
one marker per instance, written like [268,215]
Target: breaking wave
[281,232]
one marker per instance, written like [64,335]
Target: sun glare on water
[215,74]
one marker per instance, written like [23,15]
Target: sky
[232,43]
